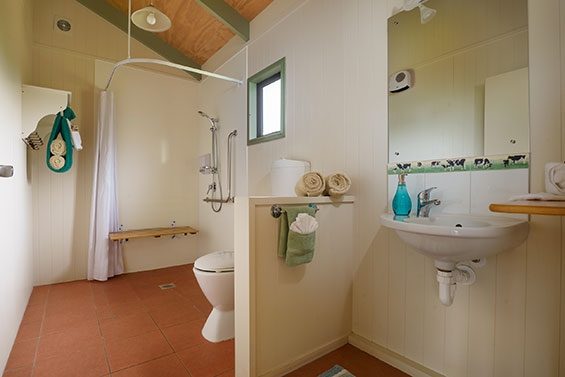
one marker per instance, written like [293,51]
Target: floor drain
[167,286]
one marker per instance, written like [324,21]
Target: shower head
[210,119]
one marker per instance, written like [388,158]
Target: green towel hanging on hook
[60,149]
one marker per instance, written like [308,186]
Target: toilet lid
[220,261]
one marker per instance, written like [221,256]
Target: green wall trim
[277,67]
[444,165]
[228,16]
[120,20]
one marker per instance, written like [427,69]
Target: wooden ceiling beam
[116,18]
[228,16]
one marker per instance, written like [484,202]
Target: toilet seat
[219,261]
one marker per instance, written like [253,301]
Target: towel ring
[276,210]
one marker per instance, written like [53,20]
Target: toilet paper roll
[555,178]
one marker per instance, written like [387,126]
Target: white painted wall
[157,158]
[61,202]
[227,102]
[16,277]
[289,316]
[509,323]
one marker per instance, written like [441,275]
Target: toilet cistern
[424,202]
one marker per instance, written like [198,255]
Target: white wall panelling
[299,312]
[16,254]
[227,102]
[61,202]
[157,162]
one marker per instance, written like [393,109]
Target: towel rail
[277,210]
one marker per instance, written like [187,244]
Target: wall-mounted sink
[452,239]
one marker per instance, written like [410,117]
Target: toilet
[215,275]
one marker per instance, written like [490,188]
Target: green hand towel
[294,247]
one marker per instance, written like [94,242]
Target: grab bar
[6,171]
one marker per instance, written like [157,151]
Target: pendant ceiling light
[151,19]
[426,14]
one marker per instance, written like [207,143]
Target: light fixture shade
[411,4]
[426,14]
[151,19]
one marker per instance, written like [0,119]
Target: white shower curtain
[104,256]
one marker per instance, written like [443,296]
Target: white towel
[58,147]
[310,184]
[539,196]
[304,224]
[75,137]
[57,162]
[337,184]
[555,178]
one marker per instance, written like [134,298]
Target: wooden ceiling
[199,28]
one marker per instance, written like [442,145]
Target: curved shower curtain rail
[168,64]
[131,60]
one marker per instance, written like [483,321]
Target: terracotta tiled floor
[124,327]
[128,327]
[359,363]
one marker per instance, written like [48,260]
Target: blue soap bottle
[401,203]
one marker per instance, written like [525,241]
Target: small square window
[266,104]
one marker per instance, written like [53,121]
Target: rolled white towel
[57,162]
[58,147]
[555,178]
[310,184]
[337,184]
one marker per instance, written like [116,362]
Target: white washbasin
[449,239]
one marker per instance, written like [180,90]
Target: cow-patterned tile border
[497,162]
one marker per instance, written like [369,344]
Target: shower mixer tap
[211,187]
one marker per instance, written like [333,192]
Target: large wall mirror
[459,83]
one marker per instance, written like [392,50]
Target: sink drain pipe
[448,279]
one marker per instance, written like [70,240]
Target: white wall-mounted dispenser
[284,175]
[205,162]
[400,81]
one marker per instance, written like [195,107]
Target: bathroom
[511,323]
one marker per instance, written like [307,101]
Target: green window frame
[259,87]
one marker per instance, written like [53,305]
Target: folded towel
[539,196]
[75,137]
[337,184]
[296,248]
[336,371]
[555,178]
[304,224]
[310,184]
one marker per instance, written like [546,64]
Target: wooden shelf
[151,232]
[531,207]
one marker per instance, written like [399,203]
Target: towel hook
[276,211]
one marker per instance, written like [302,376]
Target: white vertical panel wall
[509,322]
[16,278]
[227,102]
[156,162]
[61,202]
[296,313]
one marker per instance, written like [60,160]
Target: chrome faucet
[424,202]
